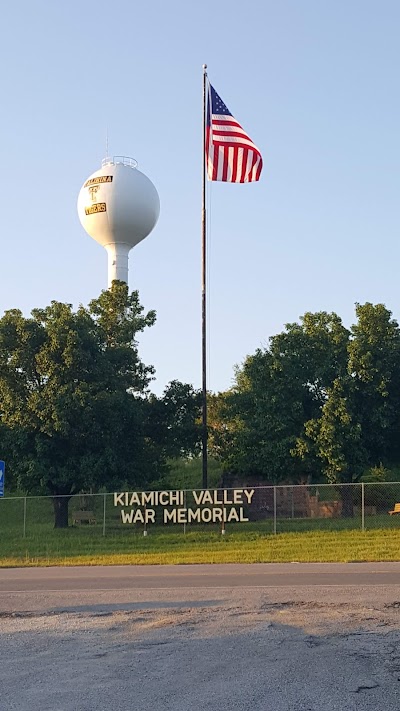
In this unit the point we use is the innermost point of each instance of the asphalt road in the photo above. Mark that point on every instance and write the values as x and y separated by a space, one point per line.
293 637
151 577
111 587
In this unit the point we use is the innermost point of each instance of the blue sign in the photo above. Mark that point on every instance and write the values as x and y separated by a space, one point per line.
2 472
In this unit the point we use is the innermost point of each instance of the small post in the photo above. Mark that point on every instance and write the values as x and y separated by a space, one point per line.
223 528
184 506
24 516
145 522
104 514
275 510
362 507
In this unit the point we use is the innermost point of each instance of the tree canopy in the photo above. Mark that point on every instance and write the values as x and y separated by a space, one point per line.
319 402
75 407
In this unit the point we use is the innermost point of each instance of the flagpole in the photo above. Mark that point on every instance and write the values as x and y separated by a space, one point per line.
204 437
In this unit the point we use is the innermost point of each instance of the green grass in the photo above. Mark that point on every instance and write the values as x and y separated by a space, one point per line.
86 547
301 539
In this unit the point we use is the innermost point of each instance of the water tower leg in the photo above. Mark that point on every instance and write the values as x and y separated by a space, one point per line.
118 262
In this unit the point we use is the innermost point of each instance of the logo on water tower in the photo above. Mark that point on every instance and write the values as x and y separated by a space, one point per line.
93 190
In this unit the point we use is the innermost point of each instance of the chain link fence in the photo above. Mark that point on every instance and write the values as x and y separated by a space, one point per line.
268 509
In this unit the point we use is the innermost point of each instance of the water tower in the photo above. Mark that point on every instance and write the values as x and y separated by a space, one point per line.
118 206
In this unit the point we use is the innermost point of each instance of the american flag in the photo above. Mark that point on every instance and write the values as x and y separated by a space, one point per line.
230 154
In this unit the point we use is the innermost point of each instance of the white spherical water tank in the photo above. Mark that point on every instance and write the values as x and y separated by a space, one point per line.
118 206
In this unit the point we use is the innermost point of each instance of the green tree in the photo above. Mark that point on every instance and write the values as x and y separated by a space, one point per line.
311 355
256 425
374 365
73 396
336 438
175 420
359 423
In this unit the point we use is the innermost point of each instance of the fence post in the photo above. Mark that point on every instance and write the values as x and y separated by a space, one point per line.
362 507
104 513
184 506
24 517
223 527
275 509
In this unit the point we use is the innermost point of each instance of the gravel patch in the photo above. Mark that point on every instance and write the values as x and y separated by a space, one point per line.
233 650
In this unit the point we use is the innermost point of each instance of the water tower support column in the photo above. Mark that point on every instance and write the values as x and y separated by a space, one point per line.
118 254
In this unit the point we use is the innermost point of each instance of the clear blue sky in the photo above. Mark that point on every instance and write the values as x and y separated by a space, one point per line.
314 83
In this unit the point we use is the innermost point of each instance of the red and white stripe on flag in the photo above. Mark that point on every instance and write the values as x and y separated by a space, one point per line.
231 155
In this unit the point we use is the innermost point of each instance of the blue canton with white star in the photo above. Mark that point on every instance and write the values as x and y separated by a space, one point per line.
217 105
